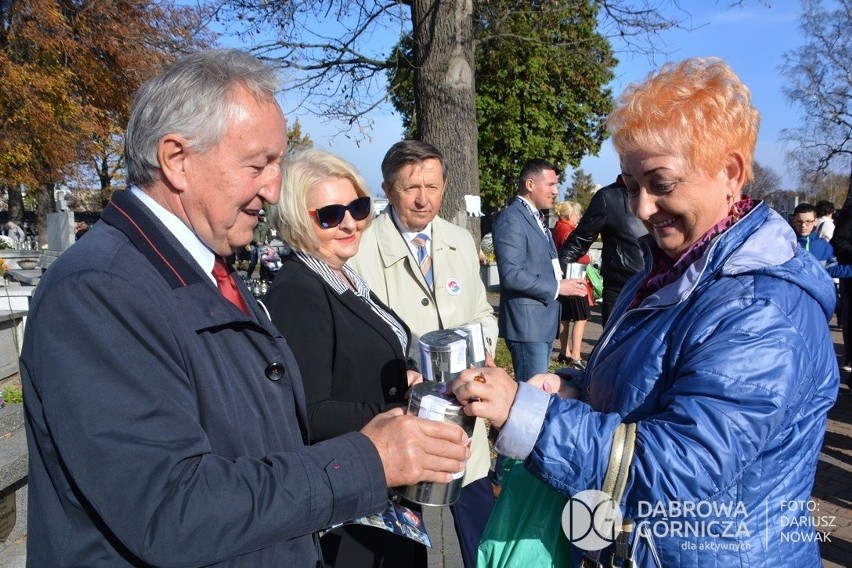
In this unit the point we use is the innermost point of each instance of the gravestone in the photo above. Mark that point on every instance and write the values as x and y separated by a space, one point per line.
60 236
60 230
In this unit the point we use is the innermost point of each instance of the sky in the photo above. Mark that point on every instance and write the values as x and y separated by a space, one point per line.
752 39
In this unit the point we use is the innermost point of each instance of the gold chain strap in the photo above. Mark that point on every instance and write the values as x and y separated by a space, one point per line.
615 481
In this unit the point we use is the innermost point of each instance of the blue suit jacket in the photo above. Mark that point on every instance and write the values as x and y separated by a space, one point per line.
166 427
528 309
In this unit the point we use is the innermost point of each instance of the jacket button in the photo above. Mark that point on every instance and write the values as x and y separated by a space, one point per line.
424 301
274 371
392 391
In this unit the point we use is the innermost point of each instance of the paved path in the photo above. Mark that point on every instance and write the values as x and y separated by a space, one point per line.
832 495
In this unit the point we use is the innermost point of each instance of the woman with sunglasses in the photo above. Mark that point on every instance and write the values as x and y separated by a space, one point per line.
350 347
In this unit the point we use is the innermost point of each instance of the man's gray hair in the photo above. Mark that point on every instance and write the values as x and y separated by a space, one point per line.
193 99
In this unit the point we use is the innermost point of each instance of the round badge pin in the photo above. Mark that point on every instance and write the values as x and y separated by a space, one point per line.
453 287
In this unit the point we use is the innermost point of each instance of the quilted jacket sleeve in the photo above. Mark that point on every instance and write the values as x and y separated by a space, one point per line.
731 380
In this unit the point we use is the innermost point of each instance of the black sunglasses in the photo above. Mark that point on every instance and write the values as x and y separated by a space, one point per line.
331 216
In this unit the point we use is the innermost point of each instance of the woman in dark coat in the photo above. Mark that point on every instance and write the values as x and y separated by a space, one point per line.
350 347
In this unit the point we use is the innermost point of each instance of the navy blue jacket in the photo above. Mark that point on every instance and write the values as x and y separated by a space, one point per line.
166 427
529 310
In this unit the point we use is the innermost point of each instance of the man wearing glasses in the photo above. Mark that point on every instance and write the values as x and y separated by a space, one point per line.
427 270
803 223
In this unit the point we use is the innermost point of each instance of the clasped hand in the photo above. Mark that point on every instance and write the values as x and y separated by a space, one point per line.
490 392
414 449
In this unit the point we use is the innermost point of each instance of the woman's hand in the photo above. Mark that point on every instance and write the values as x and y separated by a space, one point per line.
487 392
553 383
414 378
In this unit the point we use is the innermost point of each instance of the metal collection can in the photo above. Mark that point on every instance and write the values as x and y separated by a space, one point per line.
431 400
443 354
475 343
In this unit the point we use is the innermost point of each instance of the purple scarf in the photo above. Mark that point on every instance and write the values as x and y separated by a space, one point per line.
665 270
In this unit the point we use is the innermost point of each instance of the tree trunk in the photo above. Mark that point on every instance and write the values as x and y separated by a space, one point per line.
444 97
106 182
46 203
16 203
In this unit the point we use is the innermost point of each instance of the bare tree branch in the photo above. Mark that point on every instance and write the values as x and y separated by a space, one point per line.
819 83
336 54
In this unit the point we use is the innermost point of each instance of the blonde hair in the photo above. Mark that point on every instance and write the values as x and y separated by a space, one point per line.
302 172
564 209
699 107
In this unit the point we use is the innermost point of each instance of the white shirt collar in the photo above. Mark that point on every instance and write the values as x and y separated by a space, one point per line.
408 235
196 248
532 206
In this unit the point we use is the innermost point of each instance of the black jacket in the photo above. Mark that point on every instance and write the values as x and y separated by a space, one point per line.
841 242
353 359
608 216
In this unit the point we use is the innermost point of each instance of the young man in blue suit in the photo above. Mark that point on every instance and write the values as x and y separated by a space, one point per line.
530 275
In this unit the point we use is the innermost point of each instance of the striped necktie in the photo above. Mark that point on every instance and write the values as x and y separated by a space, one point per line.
421 241
541 221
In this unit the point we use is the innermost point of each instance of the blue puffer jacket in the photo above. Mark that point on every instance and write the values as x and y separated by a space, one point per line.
729 374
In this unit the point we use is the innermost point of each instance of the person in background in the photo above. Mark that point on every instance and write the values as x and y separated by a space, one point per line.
573 308
261 236
841 243
713 386
15 232
825 219
414 177
530 277
803 223
353 353
166 421
608 216
81 229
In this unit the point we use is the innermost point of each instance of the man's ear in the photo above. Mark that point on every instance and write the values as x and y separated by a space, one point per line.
172 153
387 189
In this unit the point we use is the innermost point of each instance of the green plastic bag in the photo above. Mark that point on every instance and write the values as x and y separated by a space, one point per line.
525 527
594 276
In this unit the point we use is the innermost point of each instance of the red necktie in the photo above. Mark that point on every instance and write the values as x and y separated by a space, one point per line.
226 284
